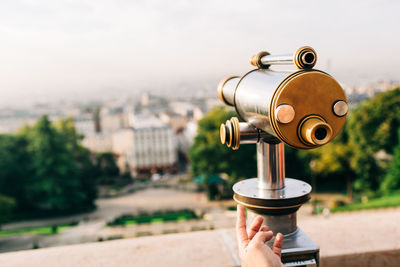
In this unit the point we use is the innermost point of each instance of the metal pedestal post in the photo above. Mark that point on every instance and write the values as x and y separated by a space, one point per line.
277 200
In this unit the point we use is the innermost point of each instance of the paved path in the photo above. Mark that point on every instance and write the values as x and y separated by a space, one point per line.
90 225
148 200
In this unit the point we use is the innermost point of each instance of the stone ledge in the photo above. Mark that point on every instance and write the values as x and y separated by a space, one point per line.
366 238
203 248
387 258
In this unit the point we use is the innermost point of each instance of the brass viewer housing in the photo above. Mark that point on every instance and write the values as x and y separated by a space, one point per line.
304 109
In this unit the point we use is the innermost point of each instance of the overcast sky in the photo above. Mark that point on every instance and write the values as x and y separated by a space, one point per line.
61 47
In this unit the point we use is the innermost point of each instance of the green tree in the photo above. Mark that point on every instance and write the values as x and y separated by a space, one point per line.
106 166
374 124
372 128
297 164
14 168
208 156
86 169
331 165
44 167
391 180
54 183
7 206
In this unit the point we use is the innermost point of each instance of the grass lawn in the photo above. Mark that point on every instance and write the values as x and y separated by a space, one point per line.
44 230
182 215
375 203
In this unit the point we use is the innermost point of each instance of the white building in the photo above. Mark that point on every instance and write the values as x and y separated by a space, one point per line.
85 125
187 109
111 119
177 121
98 142
148 147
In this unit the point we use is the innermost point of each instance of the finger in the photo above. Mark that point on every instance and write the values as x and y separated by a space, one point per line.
263 237
241 233
277 247
255 227
264 228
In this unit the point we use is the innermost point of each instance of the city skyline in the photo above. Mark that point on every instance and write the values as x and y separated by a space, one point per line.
76 49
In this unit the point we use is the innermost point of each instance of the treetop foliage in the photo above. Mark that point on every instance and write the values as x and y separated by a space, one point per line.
44 167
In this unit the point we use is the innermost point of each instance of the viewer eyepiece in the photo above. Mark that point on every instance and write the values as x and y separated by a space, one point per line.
320 133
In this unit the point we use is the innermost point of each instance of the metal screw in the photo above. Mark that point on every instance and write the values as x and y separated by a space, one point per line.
284 113
340 108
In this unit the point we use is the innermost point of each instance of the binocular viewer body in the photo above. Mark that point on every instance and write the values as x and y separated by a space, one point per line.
304 109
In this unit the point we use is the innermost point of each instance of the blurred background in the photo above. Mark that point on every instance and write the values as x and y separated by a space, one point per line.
109 115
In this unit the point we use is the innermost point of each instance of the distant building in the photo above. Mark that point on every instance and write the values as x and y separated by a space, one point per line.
187 109
111 119
148 100
98 142
85 124
177 121
186 137
148 147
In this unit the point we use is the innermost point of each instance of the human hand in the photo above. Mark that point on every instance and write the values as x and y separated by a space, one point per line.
252 248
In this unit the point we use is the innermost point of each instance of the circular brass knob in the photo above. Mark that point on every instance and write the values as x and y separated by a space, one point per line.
223 133
305 57
236 133
229 133
315 131
256 60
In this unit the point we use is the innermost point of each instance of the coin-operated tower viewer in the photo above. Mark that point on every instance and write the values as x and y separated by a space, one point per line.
303 109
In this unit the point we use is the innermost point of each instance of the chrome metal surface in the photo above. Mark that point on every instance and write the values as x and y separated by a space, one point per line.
340 108
253 97
298 249
302 263
270 165
226 89
293 189
284 224
284 113
248 133
304 58
277 59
